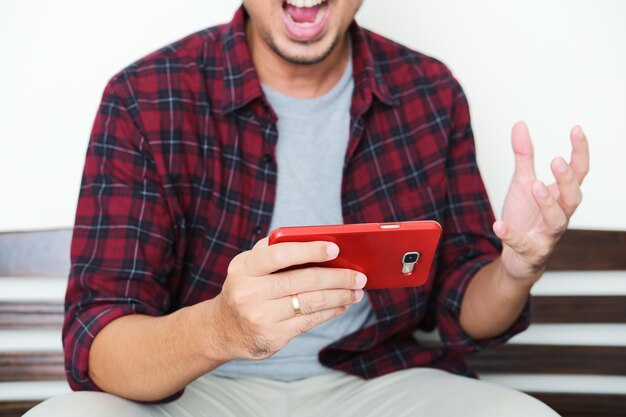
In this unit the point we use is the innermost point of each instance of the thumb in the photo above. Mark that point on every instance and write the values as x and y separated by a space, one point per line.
511 237
524 153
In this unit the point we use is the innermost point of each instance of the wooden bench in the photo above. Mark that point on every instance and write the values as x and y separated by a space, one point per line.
578 250
40 258
33 273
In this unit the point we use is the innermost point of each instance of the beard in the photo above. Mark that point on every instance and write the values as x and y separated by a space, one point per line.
300 60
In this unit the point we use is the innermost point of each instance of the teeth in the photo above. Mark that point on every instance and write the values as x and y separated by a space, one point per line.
305 3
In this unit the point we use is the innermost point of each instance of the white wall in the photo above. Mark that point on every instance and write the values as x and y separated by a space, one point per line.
552 63
56 57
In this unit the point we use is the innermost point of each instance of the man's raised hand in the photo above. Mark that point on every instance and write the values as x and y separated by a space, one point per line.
534 215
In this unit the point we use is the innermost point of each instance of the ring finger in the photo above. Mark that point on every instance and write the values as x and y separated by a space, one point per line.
569 188
313 301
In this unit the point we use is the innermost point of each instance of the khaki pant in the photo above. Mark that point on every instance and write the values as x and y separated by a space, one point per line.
413 392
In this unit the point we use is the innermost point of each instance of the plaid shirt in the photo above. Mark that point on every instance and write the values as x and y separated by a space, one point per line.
180 177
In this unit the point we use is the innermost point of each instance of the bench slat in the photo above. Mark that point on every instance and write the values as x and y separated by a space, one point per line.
34 315
551 359
579 309
16 408
585 405
31 366
589 250
546 309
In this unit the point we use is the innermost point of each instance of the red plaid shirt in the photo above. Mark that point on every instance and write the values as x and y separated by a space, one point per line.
180 177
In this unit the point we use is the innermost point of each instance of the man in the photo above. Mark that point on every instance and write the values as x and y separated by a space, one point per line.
292 114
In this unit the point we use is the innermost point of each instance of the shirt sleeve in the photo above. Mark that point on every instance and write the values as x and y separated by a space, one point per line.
122 246
468 242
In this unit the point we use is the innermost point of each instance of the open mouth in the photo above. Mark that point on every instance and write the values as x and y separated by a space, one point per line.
305 13
305 19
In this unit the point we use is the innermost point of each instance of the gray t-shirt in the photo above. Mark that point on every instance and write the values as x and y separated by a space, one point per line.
312 141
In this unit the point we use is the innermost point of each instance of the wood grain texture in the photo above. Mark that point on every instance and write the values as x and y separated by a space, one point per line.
590 250
38 253
546 359
31 366
34 315
16 408
585 405
579 309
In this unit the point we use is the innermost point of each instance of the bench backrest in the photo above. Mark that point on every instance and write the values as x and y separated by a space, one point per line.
38 263
596 321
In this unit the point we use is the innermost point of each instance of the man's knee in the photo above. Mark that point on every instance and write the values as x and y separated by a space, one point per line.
88 404
444 394
490 400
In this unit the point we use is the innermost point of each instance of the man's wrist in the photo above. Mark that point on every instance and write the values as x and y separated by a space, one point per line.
512 287
205 336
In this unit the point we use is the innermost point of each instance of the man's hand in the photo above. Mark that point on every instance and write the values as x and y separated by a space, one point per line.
535 215
149 358
255 310
533 219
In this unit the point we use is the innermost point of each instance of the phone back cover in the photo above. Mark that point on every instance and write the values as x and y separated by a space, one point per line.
376 249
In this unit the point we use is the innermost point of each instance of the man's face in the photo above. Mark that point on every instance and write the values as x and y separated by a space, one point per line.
301 31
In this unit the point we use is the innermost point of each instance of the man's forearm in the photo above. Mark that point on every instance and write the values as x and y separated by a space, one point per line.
492 302
150 358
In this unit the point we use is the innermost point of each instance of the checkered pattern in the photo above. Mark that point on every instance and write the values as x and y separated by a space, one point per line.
180 177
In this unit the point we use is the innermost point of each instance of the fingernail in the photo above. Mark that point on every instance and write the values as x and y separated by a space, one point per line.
561 166
361 279
542 190
580 132
332 251
358 295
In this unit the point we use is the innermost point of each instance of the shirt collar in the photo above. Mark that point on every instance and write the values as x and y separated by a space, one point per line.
241 84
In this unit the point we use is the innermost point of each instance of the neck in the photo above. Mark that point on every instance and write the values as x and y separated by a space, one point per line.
297 80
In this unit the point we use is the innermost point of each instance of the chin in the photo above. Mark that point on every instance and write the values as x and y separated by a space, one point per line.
306 54
302 31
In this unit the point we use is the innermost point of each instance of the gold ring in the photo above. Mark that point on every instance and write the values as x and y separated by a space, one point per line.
296 305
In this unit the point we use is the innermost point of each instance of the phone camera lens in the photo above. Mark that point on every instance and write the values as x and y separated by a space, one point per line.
408 262
410 258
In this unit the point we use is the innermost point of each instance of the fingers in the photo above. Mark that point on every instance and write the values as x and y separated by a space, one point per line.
315 301
511 237
524 154
534 252
264 260
570 194
553 215
554 219
313 279
580 154
301 324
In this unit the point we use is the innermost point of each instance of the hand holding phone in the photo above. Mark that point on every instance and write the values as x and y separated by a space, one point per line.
255 314
391 255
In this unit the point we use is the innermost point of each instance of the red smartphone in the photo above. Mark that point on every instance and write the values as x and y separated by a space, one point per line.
391 255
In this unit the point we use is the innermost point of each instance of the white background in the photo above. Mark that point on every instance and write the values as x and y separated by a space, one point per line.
552 63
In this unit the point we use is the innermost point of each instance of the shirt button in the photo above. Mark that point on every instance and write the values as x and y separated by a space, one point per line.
258 230
268 159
